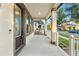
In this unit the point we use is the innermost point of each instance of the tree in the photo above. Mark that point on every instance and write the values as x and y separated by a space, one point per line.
73 12
60 16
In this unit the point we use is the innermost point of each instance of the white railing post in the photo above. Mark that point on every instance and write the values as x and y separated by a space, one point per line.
71 45
76 50
77 47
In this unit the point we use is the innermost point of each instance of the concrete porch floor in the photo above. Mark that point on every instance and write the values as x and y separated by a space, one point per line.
40 46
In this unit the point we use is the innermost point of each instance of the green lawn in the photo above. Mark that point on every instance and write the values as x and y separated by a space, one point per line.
76 46
63 43
63 34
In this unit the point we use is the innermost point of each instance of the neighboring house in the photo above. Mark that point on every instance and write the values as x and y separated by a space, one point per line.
69 26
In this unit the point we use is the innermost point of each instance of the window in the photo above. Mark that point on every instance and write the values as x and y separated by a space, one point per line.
17 21
28 23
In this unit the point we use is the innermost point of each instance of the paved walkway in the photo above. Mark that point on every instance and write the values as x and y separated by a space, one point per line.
40 46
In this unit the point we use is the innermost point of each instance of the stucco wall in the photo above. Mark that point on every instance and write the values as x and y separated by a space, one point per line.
6 23
29 38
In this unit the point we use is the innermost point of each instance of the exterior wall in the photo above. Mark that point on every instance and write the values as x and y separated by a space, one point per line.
77 27
29 38
6 23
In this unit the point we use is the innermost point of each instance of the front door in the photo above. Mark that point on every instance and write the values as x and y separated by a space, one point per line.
19 41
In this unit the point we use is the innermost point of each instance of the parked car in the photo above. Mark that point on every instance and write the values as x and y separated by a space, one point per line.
74 31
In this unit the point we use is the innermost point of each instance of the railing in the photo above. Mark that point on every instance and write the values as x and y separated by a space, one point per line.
63 41
74 45
70 45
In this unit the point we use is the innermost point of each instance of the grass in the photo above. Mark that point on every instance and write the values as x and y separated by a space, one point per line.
63 43
76 46
63 34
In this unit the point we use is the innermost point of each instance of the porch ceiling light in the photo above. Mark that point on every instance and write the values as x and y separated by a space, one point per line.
39 13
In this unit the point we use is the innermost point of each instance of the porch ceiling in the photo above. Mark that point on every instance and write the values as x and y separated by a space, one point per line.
40 10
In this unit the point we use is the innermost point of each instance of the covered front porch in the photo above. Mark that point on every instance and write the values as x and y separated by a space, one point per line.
23 28
44 43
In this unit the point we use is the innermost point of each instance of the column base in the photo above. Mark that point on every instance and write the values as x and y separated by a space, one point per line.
53 43
45 34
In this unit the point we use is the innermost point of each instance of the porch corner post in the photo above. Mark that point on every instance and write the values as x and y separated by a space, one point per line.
54 34
57 40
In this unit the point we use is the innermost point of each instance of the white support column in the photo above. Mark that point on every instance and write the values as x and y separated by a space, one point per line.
57 39
54 21
45 26
34 26
54 34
